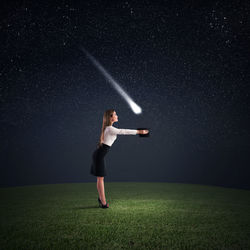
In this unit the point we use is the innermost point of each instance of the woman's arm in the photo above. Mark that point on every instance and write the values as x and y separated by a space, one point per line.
122 131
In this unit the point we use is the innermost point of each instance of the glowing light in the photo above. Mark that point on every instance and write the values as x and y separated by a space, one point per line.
135 108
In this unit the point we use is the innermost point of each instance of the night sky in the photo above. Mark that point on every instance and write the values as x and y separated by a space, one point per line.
185 64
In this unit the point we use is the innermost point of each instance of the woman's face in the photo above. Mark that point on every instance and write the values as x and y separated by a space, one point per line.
114 117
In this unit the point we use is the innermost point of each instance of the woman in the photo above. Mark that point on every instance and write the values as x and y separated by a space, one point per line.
107 138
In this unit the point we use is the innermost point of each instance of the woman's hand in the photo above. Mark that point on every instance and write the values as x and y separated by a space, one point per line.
143 131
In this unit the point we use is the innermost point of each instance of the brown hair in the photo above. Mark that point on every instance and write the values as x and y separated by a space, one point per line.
105 122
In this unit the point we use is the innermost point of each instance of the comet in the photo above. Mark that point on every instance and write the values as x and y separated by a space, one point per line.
135 108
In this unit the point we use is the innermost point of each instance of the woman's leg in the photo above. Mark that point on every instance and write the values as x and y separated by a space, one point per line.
100 188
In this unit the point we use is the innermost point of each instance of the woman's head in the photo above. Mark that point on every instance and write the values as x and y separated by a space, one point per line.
109 117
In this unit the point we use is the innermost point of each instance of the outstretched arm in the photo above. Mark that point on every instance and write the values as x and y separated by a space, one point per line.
122 131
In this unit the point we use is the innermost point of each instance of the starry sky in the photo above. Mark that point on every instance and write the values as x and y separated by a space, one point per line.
186 64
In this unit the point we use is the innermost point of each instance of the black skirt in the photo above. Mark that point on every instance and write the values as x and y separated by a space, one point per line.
98 163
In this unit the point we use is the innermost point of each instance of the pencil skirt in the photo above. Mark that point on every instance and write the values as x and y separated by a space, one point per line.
98 162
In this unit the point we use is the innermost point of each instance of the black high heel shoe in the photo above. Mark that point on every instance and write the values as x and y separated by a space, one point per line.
101 205
99 201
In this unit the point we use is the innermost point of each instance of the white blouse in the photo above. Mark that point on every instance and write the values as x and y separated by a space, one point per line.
110 134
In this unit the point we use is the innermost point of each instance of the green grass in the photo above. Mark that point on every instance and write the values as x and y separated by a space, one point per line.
141 216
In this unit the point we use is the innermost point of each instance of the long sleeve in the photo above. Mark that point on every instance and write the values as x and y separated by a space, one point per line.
122 131
110 134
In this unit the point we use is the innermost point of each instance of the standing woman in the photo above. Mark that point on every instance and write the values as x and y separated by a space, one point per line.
107 138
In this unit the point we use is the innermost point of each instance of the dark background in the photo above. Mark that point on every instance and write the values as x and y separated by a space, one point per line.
185 63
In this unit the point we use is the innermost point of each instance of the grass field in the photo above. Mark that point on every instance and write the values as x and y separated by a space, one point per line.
141 216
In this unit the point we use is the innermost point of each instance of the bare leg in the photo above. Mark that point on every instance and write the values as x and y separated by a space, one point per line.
100 188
